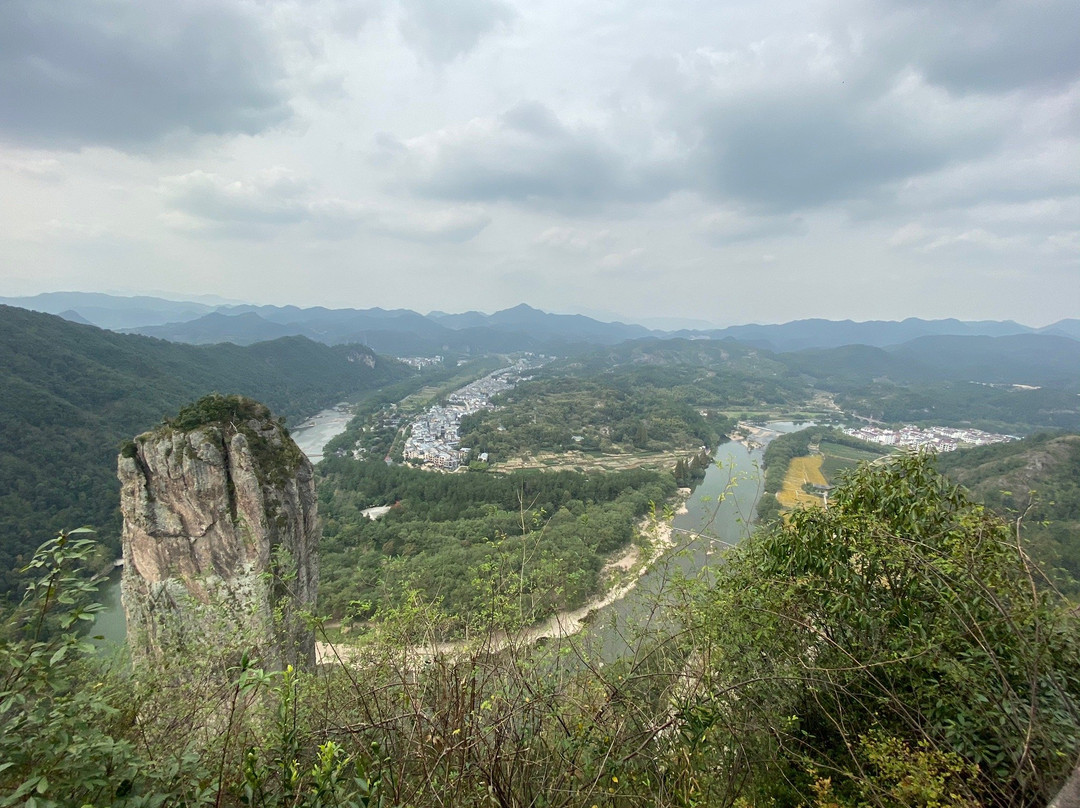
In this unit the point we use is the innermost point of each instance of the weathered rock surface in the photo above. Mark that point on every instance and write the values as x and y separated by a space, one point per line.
220 536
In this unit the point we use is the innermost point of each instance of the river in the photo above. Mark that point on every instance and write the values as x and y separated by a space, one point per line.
314 433
110 622
718 513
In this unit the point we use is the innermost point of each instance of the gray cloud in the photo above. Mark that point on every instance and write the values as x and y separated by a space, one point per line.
800 121
526 155
985 46
555 147
277 199
443 30
128 74
791 151
789 123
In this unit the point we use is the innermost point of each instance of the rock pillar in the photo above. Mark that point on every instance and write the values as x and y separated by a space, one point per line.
220 537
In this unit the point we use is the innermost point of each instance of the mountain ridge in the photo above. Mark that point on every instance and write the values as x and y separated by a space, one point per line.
521 327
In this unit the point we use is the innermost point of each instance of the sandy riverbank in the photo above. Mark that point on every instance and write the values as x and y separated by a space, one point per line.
631 564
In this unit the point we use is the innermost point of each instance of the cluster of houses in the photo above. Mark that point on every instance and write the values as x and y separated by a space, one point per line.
937 438
421 362
434 439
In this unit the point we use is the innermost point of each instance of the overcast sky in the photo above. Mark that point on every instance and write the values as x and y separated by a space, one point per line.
725 161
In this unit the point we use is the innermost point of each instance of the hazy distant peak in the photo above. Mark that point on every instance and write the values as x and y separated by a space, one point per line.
73 316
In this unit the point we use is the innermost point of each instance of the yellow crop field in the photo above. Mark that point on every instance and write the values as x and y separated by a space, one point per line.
801 470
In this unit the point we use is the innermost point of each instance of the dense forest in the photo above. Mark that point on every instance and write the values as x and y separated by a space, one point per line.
645 395
450 538
71 393
1017 387
630 412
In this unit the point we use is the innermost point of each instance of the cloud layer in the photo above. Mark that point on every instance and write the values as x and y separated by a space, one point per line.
485 152
129 74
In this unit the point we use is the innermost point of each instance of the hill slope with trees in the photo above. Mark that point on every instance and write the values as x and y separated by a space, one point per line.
889 651
70 393
1036 480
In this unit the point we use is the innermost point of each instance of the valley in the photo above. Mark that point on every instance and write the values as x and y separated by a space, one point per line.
584 513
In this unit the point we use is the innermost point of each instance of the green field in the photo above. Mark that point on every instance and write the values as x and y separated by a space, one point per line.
839 458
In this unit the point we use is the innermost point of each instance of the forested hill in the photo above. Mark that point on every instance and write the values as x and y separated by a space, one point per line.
1037 478
70 393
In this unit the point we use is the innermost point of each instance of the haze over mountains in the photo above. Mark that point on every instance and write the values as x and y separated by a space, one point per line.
403 332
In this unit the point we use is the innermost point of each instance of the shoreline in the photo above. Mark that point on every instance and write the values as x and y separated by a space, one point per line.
560 625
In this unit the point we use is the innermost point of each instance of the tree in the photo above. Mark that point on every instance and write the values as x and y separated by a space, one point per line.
896 648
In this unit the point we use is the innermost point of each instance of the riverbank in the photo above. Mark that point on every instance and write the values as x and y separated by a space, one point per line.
622 574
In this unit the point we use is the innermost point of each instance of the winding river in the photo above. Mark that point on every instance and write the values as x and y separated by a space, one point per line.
717 513
314 433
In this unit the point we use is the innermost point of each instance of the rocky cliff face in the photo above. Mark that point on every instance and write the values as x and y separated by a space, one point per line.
220 536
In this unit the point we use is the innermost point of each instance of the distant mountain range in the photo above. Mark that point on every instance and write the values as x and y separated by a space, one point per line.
404 332
1039 360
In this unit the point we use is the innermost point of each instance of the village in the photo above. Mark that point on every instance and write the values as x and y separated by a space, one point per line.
936 438
434 440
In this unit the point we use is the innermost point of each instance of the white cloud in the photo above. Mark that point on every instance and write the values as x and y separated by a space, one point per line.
278 199
47 169
619 259
444 225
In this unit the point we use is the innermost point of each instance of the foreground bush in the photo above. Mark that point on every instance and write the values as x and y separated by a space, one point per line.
895 648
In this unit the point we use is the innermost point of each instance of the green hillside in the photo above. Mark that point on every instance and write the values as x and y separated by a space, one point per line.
70 393
1039 479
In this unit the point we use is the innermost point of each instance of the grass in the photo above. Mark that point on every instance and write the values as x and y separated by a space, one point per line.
834 466
839 459
849 452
